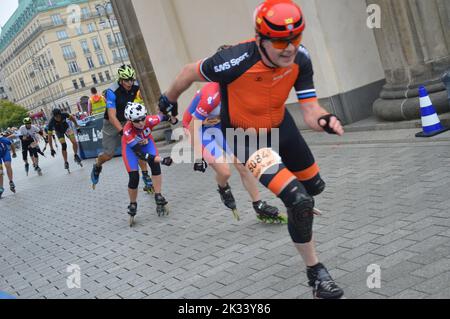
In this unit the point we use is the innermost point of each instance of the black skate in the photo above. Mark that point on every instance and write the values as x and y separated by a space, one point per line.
148 184
132 210
161 205
12 186
77 160
95 175
66 166
38 170
1 192
27 168
323 285
268 214
228 199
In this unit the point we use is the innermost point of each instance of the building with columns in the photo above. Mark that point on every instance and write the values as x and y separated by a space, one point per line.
360 70
53 51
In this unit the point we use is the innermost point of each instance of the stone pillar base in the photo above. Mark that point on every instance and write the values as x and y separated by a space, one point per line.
393 108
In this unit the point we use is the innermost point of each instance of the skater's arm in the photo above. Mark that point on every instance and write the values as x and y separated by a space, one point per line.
74 121
183 81
13 149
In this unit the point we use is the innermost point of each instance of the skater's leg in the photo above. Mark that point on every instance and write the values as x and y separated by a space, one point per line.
143 166
74 143
249 181
133 184
1 174
9 171
157 183
223 173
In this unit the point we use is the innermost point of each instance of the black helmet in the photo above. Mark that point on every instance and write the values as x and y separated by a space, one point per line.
56 112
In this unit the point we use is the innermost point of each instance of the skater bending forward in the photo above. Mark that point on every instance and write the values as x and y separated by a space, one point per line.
138 144
253 94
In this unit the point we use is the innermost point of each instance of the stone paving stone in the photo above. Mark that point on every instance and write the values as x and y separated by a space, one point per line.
383 204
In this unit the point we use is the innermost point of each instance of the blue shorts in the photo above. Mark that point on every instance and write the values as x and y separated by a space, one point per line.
5 157
213 143
131 160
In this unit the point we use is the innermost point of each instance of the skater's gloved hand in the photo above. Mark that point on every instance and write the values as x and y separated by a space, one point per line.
53 153
14 155
166 106
167 161
201 166
173 120
78 130
121 132
331 124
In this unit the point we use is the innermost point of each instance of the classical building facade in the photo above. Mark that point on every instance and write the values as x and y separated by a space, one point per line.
369 56
53 51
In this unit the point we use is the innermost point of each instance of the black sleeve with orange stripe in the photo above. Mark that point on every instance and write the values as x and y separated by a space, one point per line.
304 86
229 64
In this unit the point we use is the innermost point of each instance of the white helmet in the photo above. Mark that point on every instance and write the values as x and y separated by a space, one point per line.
135 111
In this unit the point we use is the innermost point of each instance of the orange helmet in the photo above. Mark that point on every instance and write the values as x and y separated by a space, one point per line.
279 19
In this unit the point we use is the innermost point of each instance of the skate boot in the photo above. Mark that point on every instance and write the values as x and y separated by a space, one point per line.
228 199
12 187
27 168
66 166
95 175
268 214
77 160
323 285
161 205
1 192
38 170
132 210
148 183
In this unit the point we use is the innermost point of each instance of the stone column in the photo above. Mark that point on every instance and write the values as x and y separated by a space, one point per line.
137 50
414 46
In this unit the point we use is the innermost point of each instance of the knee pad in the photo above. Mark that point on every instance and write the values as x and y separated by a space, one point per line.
314 186
133 182
64 146
300 212
155 168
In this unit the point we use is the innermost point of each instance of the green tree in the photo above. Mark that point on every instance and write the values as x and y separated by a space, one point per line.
11 114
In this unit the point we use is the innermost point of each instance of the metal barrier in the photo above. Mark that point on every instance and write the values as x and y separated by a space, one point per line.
90 138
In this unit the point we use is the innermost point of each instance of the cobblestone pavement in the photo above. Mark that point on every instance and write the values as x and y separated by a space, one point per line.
385 204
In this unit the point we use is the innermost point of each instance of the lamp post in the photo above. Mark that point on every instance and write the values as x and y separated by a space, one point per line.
38 67
104 7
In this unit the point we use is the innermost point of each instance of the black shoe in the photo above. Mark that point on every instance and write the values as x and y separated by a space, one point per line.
323 285
132 209
227 196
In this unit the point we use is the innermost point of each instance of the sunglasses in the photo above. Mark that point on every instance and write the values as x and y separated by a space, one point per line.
129 80
283 43
139 120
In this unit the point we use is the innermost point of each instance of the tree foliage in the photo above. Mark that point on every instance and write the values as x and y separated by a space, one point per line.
11 114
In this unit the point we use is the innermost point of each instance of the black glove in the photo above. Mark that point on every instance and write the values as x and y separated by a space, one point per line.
121 132
327 127
165 106
174 121
201 166
14 155
53 153
78 130
167 161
